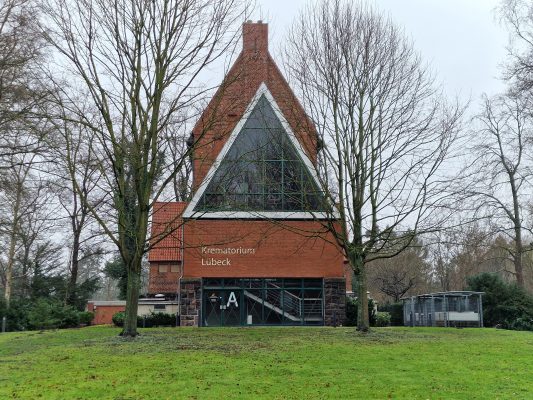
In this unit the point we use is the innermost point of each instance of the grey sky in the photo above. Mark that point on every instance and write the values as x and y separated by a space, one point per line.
461 39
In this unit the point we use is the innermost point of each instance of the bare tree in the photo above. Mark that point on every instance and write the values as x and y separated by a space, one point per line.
21 90
178 149
456 254
399 275
36 249
22 196
441 253
385 129
73 162
138 63
518 17
502 172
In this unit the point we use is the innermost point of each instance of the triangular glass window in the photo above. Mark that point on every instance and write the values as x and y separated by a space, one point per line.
262 171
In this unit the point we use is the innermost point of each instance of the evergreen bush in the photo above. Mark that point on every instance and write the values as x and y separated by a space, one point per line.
86 317
161 319
16 315
505 305
352 305
49 314
147 321
118 319
40 314
396 312
383 318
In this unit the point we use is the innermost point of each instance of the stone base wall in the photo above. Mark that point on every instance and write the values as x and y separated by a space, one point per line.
191 302
334 301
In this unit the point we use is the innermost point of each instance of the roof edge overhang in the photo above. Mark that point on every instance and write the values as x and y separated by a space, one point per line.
451 293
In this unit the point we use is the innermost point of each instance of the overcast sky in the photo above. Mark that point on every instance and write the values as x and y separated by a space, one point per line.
461 39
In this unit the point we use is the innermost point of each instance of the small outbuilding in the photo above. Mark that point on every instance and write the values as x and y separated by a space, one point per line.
104 310
446 309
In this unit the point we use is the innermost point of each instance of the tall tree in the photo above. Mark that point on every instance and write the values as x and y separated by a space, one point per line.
22 200
74 162
21 90
35 246
517 15
178 148
457 254
138 63
407 271
385 129
502 171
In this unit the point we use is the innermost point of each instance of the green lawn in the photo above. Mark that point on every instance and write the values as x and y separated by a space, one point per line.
281 363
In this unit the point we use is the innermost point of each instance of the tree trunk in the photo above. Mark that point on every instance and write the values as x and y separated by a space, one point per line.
358 266
363 323
26 266
12 245
71 286
519 273
132 254
10 262
518 234
132 298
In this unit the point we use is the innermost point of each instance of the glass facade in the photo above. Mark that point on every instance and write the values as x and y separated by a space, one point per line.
255 301
262 171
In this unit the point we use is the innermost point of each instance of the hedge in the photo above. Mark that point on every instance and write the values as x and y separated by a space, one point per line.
147 321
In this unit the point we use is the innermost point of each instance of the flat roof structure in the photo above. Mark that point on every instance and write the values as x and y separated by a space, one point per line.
458 308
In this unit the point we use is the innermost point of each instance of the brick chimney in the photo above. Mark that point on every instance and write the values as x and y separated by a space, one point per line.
255 37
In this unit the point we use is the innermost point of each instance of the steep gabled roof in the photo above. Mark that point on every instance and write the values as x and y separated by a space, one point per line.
254 74
191 210
253 68
167 219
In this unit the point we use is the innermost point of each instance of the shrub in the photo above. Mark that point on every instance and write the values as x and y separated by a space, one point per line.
68 316
161 319
40 316
521 324
16 315
396 312
506 305
118 319
351 312
352 305
147 321
86 317
41 313
50 314
383 318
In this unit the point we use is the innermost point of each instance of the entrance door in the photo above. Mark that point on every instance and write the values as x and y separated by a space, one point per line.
222 307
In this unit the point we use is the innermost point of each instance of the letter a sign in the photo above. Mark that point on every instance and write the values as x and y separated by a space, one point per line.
232 299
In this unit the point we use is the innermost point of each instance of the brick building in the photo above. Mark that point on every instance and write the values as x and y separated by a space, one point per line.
253 246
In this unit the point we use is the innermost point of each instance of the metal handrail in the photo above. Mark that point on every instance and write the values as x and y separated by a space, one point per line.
290 303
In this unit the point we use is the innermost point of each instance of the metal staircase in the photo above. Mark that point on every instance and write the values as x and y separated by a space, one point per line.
271 306
287 304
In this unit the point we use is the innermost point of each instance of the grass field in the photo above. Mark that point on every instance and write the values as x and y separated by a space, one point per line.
282 363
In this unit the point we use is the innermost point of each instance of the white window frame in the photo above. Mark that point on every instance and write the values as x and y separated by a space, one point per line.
189 211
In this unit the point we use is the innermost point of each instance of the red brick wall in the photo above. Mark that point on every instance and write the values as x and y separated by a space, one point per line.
104 314
280 250
254 37
163 282
284 249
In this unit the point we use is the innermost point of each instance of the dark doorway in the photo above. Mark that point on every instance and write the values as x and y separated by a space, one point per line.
238 302
222 307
